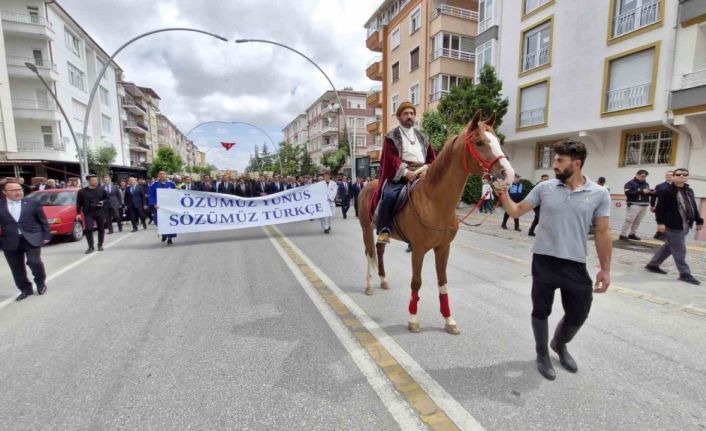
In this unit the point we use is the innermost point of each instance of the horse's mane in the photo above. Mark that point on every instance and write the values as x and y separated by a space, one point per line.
439 167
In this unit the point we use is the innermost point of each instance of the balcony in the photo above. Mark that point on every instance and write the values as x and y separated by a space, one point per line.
628 98
137 127
452 19
330 129
373 69
374 124
437 95
33 109
692 93
374 99
41 146
133 106
374 41
329 148
637 18
16 67
331 108
693 79
535 59
25 25
455 12
453 54
533 117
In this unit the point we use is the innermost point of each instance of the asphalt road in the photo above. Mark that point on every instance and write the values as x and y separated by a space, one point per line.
220 332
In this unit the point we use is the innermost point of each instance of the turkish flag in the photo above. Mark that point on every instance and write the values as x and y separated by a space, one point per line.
228 145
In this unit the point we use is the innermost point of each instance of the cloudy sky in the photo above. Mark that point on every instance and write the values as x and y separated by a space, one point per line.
200 78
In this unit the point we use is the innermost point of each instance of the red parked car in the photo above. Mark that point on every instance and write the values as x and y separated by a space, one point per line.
59 207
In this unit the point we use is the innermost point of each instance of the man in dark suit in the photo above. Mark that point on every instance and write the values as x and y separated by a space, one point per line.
91 201
261 187
227 186
206 185
24 231
112 209
276 186
345 192
356 189
242 189
136 203
188 185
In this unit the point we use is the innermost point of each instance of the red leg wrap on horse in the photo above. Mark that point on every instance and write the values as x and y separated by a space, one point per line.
413 303
444 303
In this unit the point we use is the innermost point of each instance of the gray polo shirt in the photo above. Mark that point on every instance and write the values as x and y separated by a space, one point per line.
566 216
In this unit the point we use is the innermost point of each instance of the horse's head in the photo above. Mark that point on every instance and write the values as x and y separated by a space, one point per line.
483 146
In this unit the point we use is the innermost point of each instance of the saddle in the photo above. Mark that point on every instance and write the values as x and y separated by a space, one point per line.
400 202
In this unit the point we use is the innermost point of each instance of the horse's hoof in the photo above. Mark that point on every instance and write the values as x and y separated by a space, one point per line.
369 291
452 329
413 327
385 285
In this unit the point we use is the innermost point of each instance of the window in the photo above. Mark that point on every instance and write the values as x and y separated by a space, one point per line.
76 77
378 141
356 103
105 96
452 46
106 124
651 147
414 94
485 15
632 15
396 71
357 122
72 42
545 155
533 104
395 103
532 5
395 38
33 13
38 57
484 55
415 20
441 85
99 66
47 136
360 141
79 109
536 46
630 80
414 59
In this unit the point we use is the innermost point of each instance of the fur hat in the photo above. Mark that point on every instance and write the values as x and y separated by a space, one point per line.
403 106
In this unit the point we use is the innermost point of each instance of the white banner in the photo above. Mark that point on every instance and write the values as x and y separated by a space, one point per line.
183 211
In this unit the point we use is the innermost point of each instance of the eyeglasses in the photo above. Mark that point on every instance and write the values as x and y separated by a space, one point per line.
681 174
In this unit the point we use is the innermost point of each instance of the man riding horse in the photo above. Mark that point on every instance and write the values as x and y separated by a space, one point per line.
405 150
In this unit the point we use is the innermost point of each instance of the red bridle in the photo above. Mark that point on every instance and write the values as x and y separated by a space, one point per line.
484 164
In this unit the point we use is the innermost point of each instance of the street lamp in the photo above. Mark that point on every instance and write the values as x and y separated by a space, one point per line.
351 144
84 172
246 124
110 60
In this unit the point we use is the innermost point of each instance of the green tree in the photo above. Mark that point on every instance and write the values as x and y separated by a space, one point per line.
306 164
435 126
100 160
167 160
289 156
266 158
334 162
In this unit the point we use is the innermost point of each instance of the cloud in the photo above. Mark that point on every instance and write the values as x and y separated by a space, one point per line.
200 78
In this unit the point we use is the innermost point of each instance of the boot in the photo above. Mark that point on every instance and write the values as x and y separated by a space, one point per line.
563 335
541 337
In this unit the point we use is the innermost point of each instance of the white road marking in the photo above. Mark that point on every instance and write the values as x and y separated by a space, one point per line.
66 269
398 408
443 399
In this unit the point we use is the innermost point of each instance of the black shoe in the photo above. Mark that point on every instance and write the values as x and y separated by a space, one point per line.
344 217
169 242
518 229
110 232
144 226
503 226
531 234
120 229
164 238
623 238
635 237
563 335
23 295
655 269
659 236
100 247
90 250
42 289
134 229
327 230
688 278
409 248
541 337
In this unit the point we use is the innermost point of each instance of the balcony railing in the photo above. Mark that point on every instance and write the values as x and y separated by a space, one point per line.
41 105
374 119
329 128
453 54
454 11
130 101
41 146
694 79
437 95
376 59
626 98
485 24
140 124
26 19
533 117
41 63
139 143
637 18
535 59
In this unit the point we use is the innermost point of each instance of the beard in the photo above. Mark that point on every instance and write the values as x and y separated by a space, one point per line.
564 175
408 123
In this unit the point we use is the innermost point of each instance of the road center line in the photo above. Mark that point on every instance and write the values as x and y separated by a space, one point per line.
436 407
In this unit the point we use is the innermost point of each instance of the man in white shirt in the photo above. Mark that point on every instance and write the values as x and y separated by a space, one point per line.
331 192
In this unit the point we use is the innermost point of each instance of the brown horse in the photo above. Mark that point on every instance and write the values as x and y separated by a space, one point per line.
429 220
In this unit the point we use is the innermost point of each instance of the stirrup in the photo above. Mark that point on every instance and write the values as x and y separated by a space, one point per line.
384 238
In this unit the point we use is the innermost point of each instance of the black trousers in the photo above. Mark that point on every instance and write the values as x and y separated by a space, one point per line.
550 273
136 214
355 205
386 212
16 261
97 218
112 215
506 217
345 206
535 222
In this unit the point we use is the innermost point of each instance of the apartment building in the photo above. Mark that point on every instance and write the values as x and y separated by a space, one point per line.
327 126
136 130
426 47
34 137
297 132
169 136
